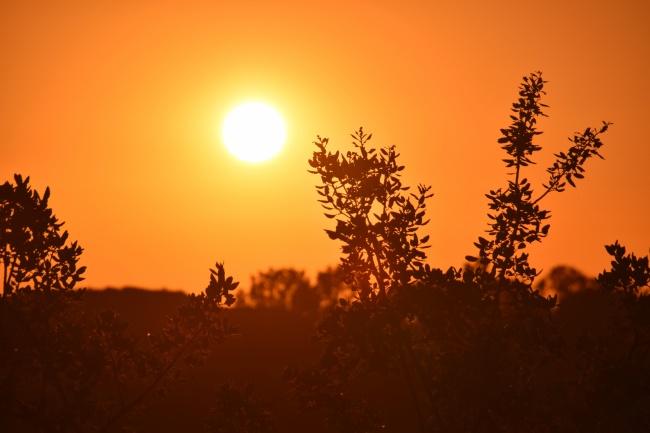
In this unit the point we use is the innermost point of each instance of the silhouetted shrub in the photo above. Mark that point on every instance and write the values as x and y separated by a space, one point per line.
63 369
473 344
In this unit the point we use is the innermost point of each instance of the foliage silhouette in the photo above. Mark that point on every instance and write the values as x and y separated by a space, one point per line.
276 288
34 251
473 344
65 370
290 289
563 281
481 348
621 360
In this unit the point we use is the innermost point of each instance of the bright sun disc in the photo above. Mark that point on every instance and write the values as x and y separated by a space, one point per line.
254 132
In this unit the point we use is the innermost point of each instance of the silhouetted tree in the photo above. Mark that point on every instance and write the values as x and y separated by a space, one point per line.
565 280
290 289
65 370
276 288
472 344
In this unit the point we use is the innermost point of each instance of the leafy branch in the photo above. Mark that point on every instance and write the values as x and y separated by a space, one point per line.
376 221
516 218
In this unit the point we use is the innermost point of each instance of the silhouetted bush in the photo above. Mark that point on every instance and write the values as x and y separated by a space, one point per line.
63 369
474 345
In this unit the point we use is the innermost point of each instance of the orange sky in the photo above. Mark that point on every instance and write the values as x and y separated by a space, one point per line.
118 105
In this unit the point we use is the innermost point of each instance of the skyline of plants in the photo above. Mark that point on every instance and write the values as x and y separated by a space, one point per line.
478 346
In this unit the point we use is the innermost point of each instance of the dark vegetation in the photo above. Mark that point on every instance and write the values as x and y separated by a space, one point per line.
399 345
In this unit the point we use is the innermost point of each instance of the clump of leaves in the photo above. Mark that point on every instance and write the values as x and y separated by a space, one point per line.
33 249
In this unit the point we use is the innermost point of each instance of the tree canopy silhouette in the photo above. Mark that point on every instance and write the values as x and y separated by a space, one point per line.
291 290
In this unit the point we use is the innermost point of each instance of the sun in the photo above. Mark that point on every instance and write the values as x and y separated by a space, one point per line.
254 132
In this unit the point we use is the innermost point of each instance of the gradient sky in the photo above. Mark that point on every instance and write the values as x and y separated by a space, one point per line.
118 106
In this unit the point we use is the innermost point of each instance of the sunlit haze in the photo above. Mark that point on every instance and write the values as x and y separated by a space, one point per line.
118 108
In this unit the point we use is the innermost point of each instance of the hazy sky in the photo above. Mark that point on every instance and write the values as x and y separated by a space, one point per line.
118 106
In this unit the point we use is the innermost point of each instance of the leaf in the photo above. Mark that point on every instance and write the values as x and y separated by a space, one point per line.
568 179
471 258
611 249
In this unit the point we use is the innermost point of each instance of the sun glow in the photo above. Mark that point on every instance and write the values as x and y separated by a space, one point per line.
254 132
